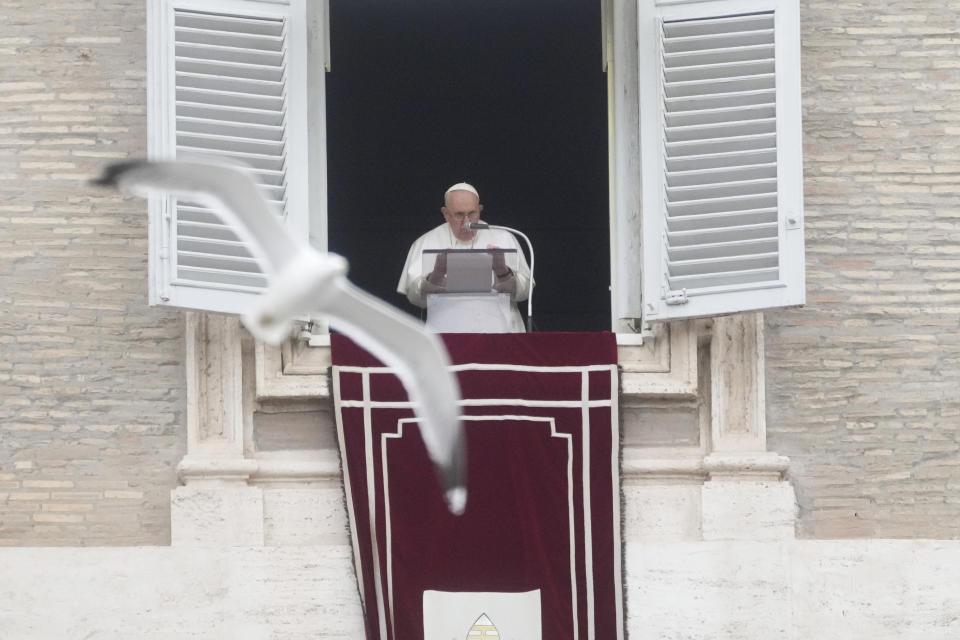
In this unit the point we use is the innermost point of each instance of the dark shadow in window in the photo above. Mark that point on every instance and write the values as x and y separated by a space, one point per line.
507 95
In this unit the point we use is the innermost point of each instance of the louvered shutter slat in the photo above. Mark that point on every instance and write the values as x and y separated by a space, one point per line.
695 267
207 245
218 278
693 162
249 25
241 85
716 25
199 142
728 204
722 219
707 251
678 44
719 55
722 234
717 191
710 86
267 70
229 99
727 280
723 174
715 131
266 177
226 37
720 116
204 51
711 146
230 129
721 71
719 100
220 260
274 196
230 113
255 160
204 230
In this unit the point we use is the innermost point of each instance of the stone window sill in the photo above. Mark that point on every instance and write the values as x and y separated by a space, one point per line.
661 366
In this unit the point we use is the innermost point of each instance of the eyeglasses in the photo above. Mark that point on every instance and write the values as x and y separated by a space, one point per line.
460 216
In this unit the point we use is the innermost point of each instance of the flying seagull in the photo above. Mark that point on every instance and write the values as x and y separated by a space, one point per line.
304 281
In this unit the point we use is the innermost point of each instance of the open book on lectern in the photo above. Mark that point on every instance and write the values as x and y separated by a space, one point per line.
468 270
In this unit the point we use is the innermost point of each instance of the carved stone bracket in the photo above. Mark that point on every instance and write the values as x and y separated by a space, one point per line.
729 487
738 428
215 425
295 370
217 507
745 496
738 384
664 365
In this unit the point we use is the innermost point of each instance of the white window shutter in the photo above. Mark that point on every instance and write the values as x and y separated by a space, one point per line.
721 153
226 79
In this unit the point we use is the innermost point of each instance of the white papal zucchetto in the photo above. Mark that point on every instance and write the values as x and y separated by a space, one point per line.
463 186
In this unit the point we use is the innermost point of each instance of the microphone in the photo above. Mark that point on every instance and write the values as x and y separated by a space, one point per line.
476 226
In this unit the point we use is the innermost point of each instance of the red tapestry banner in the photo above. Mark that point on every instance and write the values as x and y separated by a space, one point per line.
537 551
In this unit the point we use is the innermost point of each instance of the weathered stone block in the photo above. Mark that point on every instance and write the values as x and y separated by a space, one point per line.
216 516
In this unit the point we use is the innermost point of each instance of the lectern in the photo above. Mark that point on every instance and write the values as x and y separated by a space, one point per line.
466 301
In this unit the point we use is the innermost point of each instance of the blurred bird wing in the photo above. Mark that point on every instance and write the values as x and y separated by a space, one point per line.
308 281
230 192
416 356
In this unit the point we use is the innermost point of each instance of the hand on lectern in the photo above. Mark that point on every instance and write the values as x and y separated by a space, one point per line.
500 268
504 282
439 273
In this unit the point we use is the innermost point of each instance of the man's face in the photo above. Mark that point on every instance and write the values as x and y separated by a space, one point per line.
461 207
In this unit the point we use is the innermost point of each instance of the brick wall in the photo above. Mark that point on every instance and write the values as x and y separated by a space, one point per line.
864 383
92 397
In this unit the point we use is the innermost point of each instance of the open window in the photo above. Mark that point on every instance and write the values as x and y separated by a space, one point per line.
715 82
500 94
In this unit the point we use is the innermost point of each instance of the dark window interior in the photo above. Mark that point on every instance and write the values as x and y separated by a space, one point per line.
509 96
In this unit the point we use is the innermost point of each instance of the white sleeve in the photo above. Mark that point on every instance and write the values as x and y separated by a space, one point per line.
411 279
522 273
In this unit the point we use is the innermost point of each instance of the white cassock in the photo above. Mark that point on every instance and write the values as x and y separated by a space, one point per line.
412 278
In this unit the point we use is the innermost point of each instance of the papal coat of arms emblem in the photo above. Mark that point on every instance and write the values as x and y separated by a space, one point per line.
483 629
447 615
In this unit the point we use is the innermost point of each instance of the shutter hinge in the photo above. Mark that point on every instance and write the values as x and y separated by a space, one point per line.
676 297
164 251
167 217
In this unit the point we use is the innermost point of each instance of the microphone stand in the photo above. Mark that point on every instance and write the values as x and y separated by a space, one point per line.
483 225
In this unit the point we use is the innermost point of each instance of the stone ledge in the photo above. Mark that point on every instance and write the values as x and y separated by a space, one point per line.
661 469
161 593
194 469
300 466
750 466
662 366
793 589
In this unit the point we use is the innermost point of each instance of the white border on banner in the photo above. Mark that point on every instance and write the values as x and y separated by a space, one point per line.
368 405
